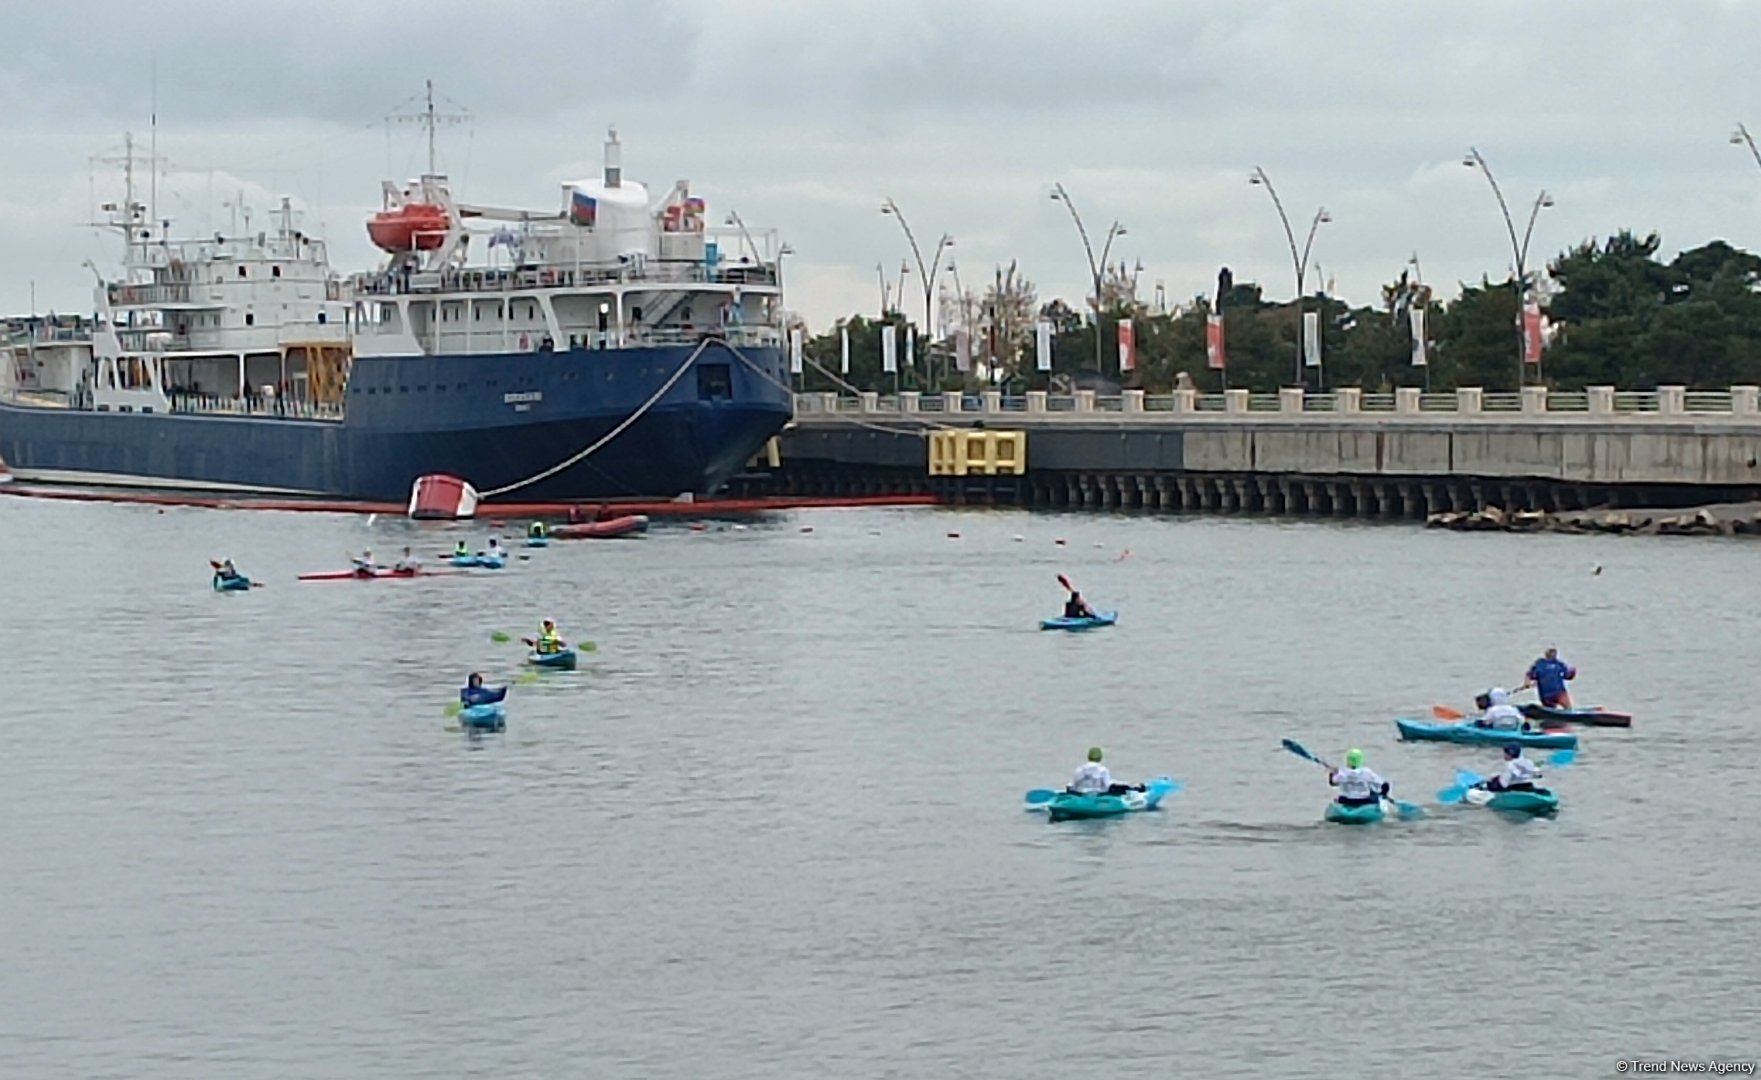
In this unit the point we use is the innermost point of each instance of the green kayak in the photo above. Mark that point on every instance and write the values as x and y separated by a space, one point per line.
1367 814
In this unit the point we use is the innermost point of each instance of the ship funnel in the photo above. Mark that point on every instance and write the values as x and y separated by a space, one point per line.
614 159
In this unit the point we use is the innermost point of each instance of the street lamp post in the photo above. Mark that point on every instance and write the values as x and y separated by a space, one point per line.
1518 250
1095 267
1300 262
927 274
1741 137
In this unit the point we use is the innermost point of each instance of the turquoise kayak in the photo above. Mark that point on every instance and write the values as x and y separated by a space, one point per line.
483 562
1420 731
490 716
1070 807
1367 814
239 583
564 660
537 541
1100 618
1542 802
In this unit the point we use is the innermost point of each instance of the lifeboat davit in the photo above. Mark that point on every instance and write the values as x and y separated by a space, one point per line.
413 227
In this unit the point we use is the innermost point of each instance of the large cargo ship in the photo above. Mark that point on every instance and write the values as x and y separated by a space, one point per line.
611 347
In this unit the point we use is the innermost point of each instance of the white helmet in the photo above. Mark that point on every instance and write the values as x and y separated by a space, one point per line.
1499 696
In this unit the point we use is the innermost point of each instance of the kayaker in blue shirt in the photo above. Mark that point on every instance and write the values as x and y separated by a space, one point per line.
1357 785
1549 675
1093 778
1077 608
1519 772
475 693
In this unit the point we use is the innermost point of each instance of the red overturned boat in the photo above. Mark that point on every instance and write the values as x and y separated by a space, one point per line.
627 525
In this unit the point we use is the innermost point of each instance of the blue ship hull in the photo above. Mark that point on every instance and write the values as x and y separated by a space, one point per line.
494 419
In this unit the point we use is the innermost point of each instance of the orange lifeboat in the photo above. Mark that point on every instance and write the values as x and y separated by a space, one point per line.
413 227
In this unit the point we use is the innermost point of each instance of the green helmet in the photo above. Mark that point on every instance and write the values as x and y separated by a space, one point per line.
1094 753
1354 758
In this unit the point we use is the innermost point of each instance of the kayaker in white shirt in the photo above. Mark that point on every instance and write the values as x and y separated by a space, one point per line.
1519 772
1093 778
1358 786
1499 713
496 551
409 564
364 566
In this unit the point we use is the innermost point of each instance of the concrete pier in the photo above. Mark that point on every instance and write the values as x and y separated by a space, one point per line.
1348 454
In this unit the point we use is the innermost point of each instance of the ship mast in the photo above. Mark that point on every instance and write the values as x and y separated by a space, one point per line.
430 119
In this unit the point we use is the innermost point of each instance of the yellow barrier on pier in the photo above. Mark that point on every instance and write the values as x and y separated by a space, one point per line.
977 453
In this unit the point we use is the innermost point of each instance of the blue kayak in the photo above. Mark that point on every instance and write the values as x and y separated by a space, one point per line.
1367 814
238 583
1100 618
564 660
490 716
483 695
1068 807
483 562
537 541
1420 731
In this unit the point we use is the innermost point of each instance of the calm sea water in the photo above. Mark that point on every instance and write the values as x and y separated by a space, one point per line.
774 828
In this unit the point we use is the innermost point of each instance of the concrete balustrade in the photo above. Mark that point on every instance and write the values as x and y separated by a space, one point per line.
1235 402
909 401
1406 400
1534 400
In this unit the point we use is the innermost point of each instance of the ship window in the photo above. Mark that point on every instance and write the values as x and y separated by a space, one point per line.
636 314
275 271
250 319
241 271
714 382
322 318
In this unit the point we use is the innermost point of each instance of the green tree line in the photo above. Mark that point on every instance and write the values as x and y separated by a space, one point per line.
1616 315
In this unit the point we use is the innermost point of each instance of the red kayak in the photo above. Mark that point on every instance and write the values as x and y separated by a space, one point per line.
350 575
618 526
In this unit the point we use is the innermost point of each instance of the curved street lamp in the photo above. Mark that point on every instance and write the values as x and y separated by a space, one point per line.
1096 267
1741 137
1518 250
1299 262
927 274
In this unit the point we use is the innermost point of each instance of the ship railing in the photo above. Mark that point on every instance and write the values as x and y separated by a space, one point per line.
123 295
254 406
746 337
657 271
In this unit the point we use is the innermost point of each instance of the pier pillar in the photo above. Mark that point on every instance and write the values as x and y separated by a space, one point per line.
1161 483
1247 496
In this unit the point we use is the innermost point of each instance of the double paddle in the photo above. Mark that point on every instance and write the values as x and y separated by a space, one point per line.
1407 811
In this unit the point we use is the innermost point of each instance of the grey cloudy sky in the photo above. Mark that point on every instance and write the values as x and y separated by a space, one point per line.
804 115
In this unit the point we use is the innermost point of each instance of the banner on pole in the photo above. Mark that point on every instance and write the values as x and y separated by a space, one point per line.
1311 339
1127 346
843 350
910 349
962 350
795 350
1214 355
1417 318
889 349
1532 334
1042 345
